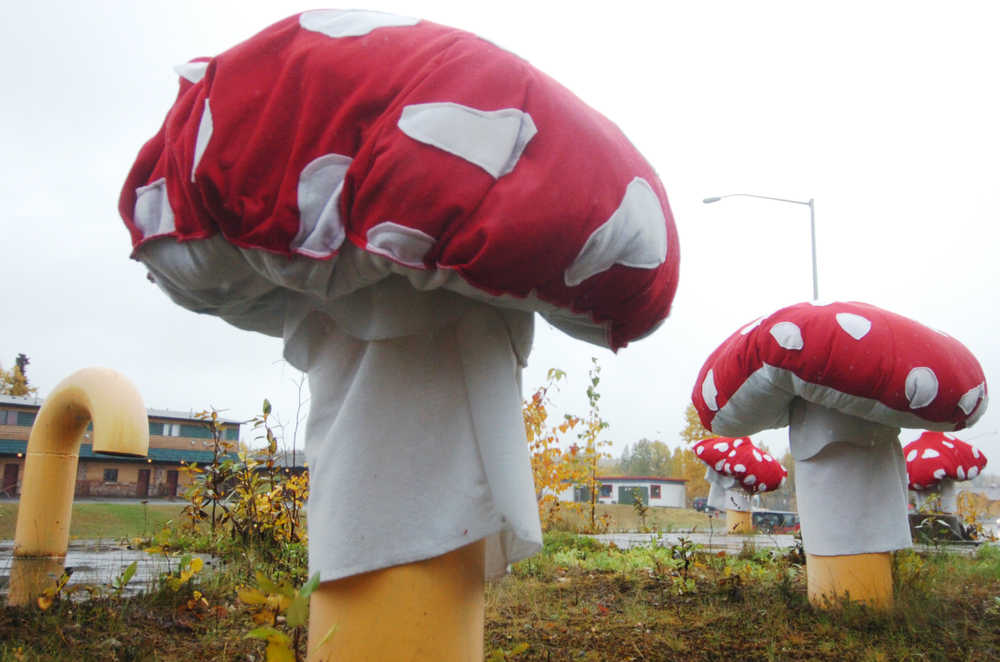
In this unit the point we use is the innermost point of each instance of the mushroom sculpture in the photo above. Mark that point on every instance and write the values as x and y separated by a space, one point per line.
935 461
395 198
844 377
737 470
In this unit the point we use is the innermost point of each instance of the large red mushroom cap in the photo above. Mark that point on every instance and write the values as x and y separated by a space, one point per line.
429 149
754 470
936 456
846 356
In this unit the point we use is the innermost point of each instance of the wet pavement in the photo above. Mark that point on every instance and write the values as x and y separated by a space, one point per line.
98 563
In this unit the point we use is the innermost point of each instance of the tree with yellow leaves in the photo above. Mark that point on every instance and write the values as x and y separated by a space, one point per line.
15 381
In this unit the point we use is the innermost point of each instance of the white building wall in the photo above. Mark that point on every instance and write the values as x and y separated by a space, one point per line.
672 495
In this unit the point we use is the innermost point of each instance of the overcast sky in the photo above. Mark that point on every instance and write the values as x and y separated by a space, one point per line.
885 113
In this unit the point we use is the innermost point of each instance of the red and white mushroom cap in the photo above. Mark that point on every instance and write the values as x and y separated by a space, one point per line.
847 356
754 470
427 148
935 456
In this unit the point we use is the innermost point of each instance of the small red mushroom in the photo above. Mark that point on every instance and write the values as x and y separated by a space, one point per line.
936 460
737 470
844 377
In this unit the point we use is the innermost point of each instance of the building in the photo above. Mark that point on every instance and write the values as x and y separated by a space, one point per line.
175 438
655 491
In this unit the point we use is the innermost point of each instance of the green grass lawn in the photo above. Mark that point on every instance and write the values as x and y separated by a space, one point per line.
103 520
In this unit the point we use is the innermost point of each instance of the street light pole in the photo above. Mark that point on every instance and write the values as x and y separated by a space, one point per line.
812 225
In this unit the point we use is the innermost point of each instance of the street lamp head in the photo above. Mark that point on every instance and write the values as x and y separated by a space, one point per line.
711 200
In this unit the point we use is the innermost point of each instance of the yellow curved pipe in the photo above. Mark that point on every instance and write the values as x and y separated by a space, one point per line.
428 611
121 427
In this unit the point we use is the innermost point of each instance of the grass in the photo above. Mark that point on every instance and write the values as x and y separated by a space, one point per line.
107 520
624 518
582 601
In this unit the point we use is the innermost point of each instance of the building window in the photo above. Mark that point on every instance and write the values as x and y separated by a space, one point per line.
196 431
8 417
232 434
110 475
654 491
605 490
26 418
156 428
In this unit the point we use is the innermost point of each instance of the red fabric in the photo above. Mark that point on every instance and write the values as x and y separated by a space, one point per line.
874 367
755 470
289 95
943 454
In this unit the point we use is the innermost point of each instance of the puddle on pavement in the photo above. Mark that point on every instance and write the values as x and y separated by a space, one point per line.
98 563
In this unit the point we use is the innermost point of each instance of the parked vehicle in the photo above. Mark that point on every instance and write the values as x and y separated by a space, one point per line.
776 521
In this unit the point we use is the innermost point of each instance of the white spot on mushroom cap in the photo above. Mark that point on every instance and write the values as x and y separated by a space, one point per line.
756 455
970 400
699 450
855 326
321 230
921 387
947 444
768 458
719 465
401 243
959 471
338 24
721 446
762 487
788 335
635 235
973 471
709 392
739 468
912 455
750 479
751 326
737 443
205 128
975 452
490 139
152 213
930 453
939 473
192 71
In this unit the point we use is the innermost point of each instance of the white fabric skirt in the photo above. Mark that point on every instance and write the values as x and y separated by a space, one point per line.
415 440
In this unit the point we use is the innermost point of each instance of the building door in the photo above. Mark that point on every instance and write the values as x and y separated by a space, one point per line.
627 495
9 487
142 485
172 483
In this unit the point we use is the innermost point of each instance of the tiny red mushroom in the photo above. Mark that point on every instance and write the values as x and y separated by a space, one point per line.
844 377
935 461
736 471
395 199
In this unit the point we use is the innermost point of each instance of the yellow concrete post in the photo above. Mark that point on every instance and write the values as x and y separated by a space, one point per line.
738 521
41 537
428 611
862 578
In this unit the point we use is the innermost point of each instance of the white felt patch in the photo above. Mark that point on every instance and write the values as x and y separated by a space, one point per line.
756 456
788 335
490 139
939 473
970 400
321 230
929 454
721 446
973 471
403 244
709 392
959 471
192 71
739 468
356 23
855 326
921 387
750 479
912 455
634 236
153 214
205 127
751 326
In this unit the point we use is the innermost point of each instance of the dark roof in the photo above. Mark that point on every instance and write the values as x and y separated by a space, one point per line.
172 455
